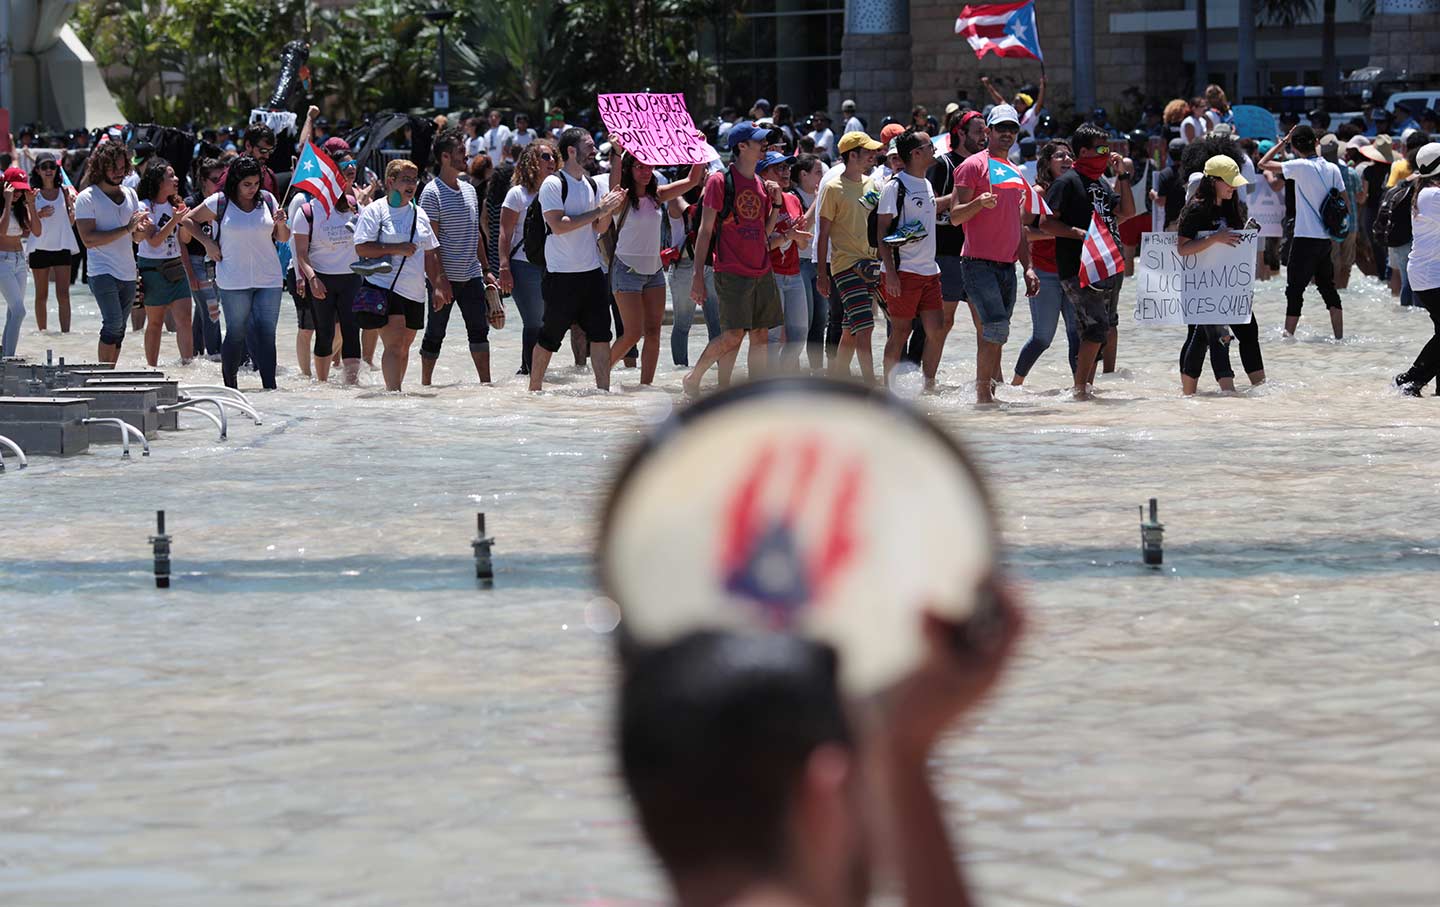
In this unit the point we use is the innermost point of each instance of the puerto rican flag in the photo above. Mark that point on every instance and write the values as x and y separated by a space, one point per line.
316 174
1006 28
1099 255
1004 175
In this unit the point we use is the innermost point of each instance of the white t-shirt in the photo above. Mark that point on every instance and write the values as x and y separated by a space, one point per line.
247 245
518 199
522 137
1029 119
1314 178
170 248
574 252
332 245
916 257
1193 128
378 222
474 146
117 257
853 124
638 244
496 138
1424 267
824 142
55 233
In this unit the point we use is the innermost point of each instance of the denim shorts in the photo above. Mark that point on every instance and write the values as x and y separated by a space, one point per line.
625 279
952 277
991 285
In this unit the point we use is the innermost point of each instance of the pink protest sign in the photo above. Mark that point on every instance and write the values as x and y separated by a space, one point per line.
656 128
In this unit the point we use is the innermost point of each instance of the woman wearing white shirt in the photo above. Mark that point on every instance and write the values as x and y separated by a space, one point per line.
1195 125
15 220
159 262
805 176
517 275
52 219
249 223
395 227
324 251
1423 268
636 277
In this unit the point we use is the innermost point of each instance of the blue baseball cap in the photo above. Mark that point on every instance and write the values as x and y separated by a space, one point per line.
773 159
746 132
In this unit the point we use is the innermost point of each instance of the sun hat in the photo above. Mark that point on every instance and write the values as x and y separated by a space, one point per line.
1427 160
1002 113
1222 166
951 107
852 140
1381 151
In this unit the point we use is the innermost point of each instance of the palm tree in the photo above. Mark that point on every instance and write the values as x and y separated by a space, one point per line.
516 50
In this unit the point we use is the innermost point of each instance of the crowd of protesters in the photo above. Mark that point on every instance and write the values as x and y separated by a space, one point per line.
779 251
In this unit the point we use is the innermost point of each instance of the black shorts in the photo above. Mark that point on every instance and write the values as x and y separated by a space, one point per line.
57 258
574 298
414 313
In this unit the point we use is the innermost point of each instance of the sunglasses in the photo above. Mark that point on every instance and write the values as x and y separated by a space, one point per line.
547 157
350 165
1103 150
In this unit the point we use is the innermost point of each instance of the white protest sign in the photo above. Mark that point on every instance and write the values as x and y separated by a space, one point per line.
656 128
1268 208
1213 287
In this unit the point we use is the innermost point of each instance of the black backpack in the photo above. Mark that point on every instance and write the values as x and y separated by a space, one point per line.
1392 222
536 230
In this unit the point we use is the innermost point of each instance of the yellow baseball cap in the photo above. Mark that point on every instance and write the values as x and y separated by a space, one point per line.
852 140
1224 167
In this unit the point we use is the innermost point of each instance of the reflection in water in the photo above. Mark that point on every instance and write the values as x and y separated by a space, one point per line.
325 709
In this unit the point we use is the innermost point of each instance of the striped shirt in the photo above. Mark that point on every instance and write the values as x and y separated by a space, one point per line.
456 219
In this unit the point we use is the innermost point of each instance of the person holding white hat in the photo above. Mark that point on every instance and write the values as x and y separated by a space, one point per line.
1423 268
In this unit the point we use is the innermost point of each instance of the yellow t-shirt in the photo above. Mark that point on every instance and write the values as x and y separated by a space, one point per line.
1398 171
847 206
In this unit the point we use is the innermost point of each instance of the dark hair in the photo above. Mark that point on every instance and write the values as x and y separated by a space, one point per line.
1087 136
627 182
36 182
570 138
152 174
203 166
1198 152
104 159
1303 138
242 168
1043 179
715 732
257 134
446 140
782 114
20 211
1206 206
910 141
802 164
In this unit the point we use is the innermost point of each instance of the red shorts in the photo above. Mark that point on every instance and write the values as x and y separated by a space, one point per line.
1131 229
918 293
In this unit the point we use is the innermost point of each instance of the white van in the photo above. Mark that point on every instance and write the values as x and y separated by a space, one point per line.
1415 100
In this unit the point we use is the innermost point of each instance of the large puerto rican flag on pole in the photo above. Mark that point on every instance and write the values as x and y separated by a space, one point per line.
1099 255
1006 28
317 174
1004 175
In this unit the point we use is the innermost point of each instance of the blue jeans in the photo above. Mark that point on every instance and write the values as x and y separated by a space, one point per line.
526 293
251 313
680 277
991 289
819 315
114 297
13 274
1046 308
796 303
205 332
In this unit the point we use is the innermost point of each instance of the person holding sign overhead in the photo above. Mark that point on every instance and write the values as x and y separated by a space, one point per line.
1217 211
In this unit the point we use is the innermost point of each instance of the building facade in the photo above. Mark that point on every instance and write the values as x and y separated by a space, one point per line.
889 55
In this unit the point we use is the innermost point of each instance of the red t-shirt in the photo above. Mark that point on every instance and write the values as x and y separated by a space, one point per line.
787 260
741 247
994 233
1042 255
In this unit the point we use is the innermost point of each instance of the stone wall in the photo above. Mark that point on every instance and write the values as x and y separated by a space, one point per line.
875 72
1406 42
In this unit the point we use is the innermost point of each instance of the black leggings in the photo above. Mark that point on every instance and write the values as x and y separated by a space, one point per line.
338 304
1427 364
1197 340
1309 260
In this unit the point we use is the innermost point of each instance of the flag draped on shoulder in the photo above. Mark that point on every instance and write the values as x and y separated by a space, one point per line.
1099 255
1006 28
317 175
1004 175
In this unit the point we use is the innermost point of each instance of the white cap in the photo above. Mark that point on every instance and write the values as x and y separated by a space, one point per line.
1002 113
1427 159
